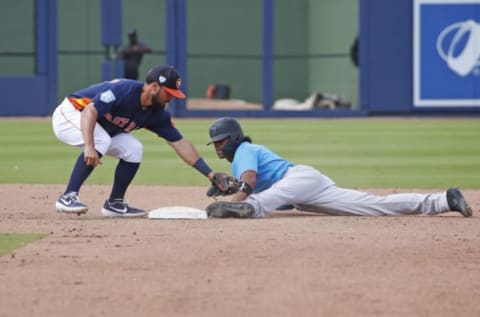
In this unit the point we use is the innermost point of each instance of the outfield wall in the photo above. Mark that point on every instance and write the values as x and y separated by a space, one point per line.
389 56
224 43
265 50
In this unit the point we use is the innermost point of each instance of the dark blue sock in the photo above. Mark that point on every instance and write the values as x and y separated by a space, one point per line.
80 173
124 173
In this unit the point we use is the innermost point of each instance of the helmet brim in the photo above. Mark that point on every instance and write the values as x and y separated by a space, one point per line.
219 137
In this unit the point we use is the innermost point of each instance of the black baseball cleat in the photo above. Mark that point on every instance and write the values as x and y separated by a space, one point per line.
120 209
224 209
456 202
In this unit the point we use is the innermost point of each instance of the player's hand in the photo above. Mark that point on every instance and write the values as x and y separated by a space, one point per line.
91 157
222 185
223 182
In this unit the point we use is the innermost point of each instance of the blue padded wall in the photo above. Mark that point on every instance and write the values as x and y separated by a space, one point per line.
387 60
386 55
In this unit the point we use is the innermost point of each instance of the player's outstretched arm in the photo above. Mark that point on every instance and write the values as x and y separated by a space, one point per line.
188 153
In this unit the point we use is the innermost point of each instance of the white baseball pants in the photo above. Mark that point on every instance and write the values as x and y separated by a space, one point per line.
66 125
307 189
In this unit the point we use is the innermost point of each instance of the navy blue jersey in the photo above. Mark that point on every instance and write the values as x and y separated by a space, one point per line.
119 109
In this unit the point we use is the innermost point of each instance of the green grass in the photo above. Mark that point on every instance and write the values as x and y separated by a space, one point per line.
375 153
12 241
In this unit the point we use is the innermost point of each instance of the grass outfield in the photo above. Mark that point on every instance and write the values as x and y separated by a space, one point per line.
368 153
12 241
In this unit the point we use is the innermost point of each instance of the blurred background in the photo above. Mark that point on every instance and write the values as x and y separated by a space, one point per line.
234 56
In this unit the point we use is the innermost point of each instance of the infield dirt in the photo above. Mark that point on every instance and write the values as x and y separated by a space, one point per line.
289 264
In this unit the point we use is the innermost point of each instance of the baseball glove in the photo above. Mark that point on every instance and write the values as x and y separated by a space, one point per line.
222 185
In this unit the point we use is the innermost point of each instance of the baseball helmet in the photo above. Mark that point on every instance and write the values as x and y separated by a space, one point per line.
225 128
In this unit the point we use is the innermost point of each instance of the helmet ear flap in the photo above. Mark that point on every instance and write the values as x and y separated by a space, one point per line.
230 148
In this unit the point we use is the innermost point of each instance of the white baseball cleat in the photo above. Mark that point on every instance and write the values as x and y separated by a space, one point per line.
69 203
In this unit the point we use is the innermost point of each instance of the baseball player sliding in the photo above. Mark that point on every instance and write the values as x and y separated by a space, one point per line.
264 181
98 120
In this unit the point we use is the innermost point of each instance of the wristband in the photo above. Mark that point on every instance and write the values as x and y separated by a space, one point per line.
244 187
202 167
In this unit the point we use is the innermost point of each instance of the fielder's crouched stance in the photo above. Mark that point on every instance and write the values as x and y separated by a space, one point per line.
264 181
98 119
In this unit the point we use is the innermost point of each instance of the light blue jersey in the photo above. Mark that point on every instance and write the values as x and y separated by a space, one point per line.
269 167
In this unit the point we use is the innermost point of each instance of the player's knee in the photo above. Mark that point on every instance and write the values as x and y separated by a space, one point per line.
134 154
103 144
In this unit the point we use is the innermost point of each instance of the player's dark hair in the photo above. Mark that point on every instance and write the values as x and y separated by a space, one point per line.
247 139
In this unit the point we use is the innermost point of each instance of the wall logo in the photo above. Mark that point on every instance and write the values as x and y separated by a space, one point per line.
459 46
446 53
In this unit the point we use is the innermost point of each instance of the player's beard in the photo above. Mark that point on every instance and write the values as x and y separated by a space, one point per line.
157 105
220 154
